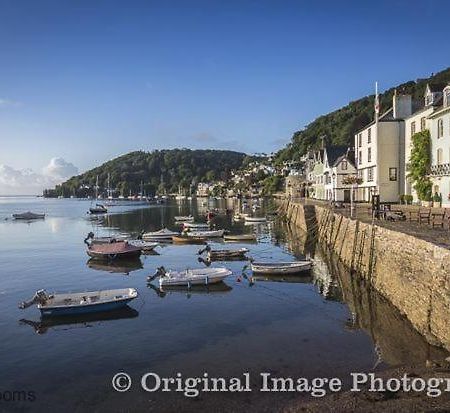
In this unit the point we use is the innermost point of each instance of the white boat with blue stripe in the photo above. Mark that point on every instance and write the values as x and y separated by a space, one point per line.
80 303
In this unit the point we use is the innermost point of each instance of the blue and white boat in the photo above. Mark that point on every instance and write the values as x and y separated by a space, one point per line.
80 303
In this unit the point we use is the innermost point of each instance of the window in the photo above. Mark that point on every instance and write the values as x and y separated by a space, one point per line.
413 128
370 174
440 126
439 156
369 135
360 158
423 124
392 174
360 140
344 165
369 155
360 175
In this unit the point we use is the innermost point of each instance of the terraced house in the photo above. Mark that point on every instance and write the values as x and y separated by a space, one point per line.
439 124
380 153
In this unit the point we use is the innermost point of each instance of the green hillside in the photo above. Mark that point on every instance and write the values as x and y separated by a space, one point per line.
339 127
160 171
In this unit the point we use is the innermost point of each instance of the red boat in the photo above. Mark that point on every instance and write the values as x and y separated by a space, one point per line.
113 251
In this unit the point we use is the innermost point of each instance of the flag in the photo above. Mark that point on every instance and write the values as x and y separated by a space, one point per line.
377 100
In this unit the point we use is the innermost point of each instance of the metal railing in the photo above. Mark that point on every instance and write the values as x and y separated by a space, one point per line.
440 170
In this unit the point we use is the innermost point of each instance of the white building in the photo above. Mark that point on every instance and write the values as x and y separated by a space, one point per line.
338 162
440 148
380 153
418 122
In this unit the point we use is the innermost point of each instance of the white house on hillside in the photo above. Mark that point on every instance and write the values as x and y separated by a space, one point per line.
380 153
338 162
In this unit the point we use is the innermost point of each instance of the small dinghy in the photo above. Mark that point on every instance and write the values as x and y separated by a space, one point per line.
80 303
256 219
202 276
28 216
183 239
206 234
161 235
181 219
98 209
216 255
196 225
279 268
113 251
240 237
143 245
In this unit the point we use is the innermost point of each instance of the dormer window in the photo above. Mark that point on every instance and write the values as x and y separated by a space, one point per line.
447 96
344 165
428 99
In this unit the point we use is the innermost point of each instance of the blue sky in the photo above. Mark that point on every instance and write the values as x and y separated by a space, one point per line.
86 81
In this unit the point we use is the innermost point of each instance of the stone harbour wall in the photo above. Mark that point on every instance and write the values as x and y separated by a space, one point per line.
411 273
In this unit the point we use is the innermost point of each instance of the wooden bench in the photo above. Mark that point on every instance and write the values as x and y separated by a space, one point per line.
437 219
424 216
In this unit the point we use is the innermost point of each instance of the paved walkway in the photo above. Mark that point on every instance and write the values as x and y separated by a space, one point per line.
438 236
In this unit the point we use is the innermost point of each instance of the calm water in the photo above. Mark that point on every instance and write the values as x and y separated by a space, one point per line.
324 325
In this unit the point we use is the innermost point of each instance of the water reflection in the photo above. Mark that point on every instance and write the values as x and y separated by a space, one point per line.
116 267
395 341
79 321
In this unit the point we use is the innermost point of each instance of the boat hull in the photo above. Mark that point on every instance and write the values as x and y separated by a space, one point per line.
89 308
259 268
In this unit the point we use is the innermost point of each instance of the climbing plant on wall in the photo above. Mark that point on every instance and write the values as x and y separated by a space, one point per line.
419 165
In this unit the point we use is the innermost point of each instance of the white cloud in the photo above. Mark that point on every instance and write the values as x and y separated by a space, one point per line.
27 182
60 168
7 103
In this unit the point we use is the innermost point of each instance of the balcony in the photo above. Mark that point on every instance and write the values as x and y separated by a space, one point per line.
440 170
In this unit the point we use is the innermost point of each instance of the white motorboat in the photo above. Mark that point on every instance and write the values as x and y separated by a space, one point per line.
161 235
224 254
80 303
206 234
190 277
143 245
278 268
196 225
98 209
255 219
28 216
181 219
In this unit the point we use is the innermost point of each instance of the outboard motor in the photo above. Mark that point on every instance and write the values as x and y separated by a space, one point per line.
90 236
40 297
207 248
160 272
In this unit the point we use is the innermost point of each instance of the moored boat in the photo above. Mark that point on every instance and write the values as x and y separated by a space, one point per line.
279 268
182 219
206 234
113 251
190 277
240 237
183 239
80 303
196 225
143 245
98 209
256 219
28 216
224 254
161 235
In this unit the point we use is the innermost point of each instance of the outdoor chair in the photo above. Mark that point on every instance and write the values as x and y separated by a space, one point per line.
424 216
437 219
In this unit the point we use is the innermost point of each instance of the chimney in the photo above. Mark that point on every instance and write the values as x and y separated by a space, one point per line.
401 105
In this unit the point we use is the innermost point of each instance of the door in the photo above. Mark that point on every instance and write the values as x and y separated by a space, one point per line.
346 195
